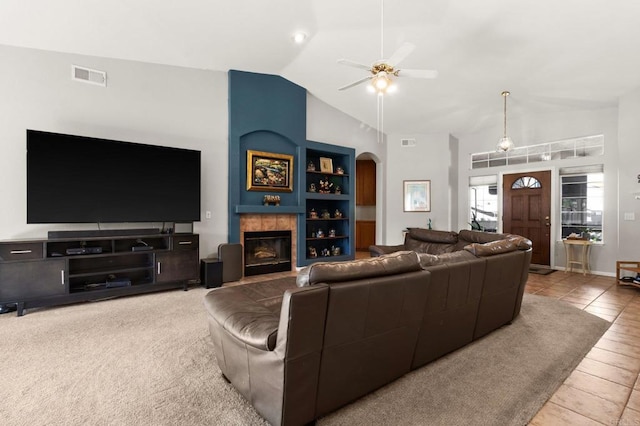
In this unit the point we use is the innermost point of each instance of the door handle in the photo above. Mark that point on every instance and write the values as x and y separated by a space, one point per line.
546 218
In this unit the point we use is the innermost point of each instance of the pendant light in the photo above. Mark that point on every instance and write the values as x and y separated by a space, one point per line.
505 143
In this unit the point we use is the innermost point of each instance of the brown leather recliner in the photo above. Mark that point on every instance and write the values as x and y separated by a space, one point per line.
300 352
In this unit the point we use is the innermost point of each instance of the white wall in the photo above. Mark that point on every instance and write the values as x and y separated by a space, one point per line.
429 159
628 179
143 103
328 125
543 128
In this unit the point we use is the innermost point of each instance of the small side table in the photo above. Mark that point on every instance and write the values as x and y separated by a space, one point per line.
629 266
211 272
581 258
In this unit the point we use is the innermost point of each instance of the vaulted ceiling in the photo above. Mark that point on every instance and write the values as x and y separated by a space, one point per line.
551 55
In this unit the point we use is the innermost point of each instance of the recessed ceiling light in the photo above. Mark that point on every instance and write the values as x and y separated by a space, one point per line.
299 37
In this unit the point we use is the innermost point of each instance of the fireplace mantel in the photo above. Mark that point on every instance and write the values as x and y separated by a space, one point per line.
269 209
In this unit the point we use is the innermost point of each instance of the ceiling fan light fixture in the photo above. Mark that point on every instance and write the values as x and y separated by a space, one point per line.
505 143
381 83
299 37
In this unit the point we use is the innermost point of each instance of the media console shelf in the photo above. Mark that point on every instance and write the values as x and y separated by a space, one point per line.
56 271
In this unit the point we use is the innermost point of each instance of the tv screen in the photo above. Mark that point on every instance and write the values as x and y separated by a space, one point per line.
76 179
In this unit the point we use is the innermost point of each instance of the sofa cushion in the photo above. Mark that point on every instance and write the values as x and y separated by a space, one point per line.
491 248
433 236
521 242
430 241
332 272
427 259
250 313
479 236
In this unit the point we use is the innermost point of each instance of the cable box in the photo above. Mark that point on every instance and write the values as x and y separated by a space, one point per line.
84 250
141 248
118 282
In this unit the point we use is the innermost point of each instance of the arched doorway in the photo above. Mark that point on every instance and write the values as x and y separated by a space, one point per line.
366 171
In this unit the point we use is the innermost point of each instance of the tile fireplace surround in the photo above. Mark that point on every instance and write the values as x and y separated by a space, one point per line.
271 222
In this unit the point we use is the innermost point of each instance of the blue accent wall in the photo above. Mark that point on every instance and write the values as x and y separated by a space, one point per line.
266 113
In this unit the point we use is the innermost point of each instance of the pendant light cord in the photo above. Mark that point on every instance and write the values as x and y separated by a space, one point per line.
504 95
381 29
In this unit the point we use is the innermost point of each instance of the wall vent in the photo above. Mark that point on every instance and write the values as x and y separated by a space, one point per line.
407 142
87 75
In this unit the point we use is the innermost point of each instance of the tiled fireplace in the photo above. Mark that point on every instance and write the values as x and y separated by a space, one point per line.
261 223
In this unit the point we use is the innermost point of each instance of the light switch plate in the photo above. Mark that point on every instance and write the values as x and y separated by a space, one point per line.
630 216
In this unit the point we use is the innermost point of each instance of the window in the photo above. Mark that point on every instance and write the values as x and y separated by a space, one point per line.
589 146
582 195
483 199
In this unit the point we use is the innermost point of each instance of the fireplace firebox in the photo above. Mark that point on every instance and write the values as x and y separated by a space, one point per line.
266 252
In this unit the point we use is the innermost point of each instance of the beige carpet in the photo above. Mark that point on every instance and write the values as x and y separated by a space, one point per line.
147 360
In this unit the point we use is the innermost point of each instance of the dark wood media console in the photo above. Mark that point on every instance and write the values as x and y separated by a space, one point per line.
56 271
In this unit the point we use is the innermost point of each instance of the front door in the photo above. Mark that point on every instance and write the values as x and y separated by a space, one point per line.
526 209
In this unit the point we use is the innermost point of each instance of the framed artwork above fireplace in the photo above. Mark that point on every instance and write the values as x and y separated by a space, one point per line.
268 171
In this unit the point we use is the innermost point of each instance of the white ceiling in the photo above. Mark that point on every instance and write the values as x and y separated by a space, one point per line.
551 54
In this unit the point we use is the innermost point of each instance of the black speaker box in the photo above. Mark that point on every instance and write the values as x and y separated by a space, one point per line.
211 273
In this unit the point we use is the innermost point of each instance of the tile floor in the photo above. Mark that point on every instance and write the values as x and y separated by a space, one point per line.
605 387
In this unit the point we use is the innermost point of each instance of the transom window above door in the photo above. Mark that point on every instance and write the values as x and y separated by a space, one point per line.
526 182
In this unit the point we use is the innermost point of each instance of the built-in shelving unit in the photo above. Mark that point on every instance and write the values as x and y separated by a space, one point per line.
326 229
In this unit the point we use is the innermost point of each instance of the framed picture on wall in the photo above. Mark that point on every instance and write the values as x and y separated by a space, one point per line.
417 195
267 171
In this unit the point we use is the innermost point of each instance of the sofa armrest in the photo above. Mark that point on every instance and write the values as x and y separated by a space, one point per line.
243 318
376 251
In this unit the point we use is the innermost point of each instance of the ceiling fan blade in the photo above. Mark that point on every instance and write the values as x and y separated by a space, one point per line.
418 73
349 63
355 83
403 51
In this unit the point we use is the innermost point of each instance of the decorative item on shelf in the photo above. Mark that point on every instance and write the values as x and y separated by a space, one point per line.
326 252
325 185
429 224
312 187
320 233
335 251
338 190
311 167
332 233
313 252
313 214
326 165
313 233
325 214
271 199
337 214
339 170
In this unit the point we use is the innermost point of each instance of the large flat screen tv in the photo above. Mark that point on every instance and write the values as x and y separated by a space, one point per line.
76 179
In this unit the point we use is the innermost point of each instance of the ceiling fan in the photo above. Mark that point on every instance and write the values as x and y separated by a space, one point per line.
383 72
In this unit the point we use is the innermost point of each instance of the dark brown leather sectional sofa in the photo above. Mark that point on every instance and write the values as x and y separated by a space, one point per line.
299 351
